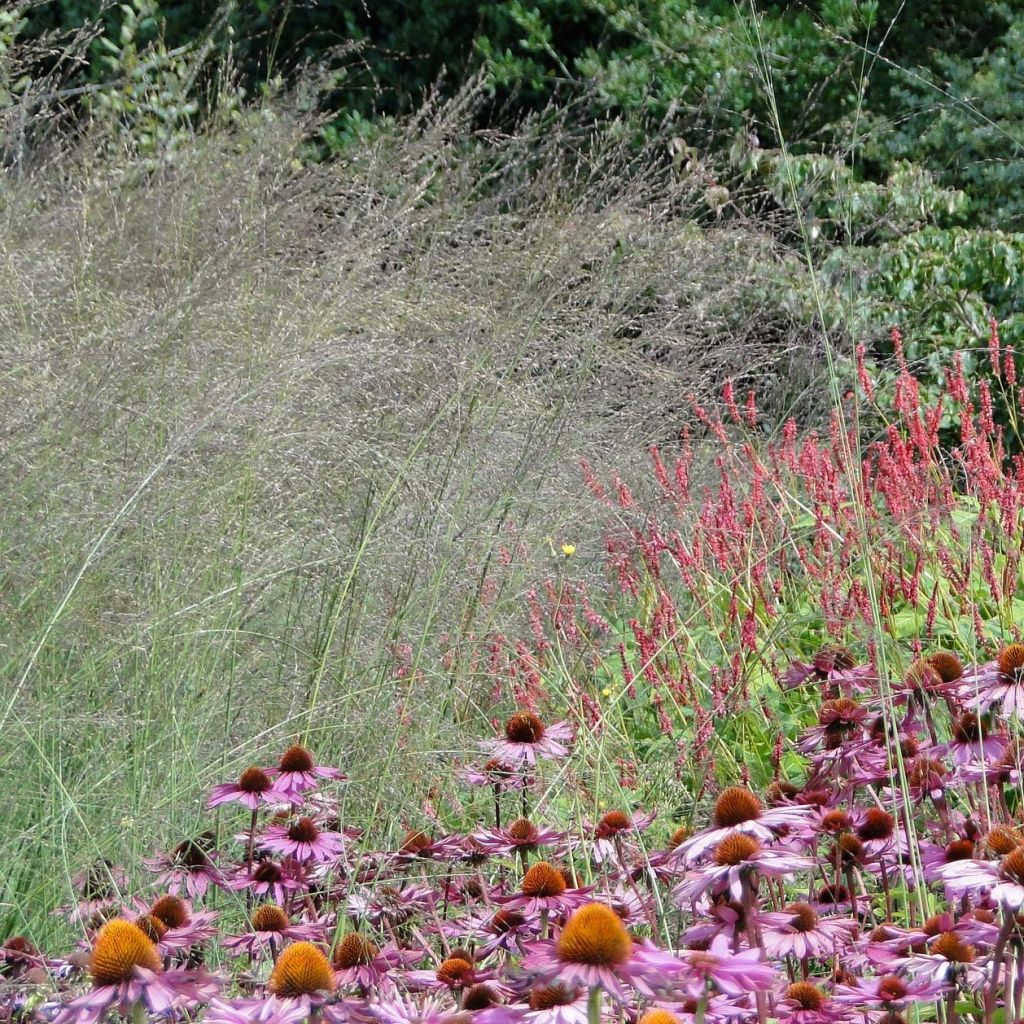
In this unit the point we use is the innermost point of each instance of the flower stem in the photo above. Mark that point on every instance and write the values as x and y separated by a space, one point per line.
594 1005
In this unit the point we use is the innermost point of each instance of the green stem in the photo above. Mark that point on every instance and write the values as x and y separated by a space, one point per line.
594 1005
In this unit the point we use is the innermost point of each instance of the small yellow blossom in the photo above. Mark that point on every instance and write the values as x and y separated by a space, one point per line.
568 550
606 692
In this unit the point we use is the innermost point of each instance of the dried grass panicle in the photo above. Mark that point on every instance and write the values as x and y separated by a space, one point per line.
342 385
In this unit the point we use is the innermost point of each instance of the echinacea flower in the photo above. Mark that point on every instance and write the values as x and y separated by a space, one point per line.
950 958
973 740
303 841
1002 880
455 973
270 930
358 961
301 981
520 837
736 857
174 925
616 834
527 739
594 950
738 810
389 906
798 930
889 992
547 1004
999 682
408 1009
805 1003
189 868
254 789
125 970
271 880
731 973
419 846
495 774
297 772
544 889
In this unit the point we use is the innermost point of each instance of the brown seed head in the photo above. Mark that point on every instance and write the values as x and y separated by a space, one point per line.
121 946
523 832
268 872
301 970
806 995
1013 865
354 951
678 836
190 854
595 935
269 918
547 997
960 849
479 997
456 972
415 843
830 658
849 848
296 759
891 988
1003 840
254 780
947 664
303 831
543 879
612 824
877 824
505 921
152 927
524 727
805 918
735 849
171 910
954 949
836 822
736 805
1011 661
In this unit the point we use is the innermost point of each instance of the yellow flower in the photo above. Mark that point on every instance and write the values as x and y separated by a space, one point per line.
606 692
568 550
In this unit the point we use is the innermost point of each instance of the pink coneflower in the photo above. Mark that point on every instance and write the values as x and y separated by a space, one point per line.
1002 880
495 774
189 868
358 961
736 857
301 981
254 789
616 834
272 880
527 740
304 841
419 846
270 931
17 955
125 969
391 907
548 1004
828 663
949 959
732 974
805 1003
1006 770
174 926
298 773
738 810
455 973
973 741
594 950
997 682
405 1009
503 929
799 931
889 992
522 836
544 890
933 856
839 721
